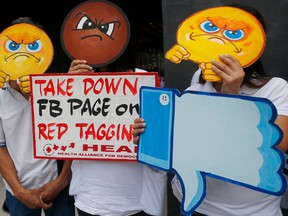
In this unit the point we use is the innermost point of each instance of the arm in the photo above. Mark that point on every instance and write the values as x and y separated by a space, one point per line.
30 197
52 189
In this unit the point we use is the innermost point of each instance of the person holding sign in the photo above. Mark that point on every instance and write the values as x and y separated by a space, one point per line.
226 75
32 185
115 187
107 187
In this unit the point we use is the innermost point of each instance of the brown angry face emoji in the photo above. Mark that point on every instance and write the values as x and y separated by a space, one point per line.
96 31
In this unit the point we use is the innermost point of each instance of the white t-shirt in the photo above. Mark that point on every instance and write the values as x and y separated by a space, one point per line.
109 188
16 134
196 77
227 199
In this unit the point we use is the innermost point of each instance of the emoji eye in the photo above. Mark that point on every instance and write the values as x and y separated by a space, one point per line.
209 27
12 46
34 46
85 23
107 28
234 35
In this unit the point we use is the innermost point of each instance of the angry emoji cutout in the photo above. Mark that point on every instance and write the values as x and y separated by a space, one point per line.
24 49
206 34
95 31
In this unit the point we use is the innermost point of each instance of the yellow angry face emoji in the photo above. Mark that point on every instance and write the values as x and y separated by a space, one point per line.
24 49
205 35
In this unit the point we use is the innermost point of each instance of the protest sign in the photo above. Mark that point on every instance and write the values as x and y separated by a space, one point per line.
86 116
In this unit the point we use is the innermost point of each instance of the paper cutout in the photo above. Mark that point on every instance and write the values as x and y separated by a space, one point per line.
206 34
97 31
24 49
199 134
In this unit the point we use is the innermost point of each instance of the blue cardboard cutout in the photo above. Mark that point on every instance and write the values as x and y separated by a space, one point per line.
238 145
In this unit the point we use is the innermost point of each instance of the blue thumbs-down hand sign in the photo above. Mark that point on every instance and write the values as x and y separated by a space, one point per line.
199 134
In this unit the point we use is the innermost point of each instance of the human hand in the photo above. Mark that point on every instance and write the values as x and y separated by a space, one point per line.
32 198
80 66
231 72
51 190
138 128
3 78
24 83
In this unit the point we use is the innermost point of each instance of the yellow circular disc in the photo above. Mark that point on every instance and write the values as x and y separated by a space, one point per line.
222 30
24 49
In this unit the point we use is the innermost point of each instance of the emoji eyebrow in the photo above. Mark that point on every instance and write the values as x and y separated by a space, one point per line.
22 40
82 14
209 19
14 40
99 22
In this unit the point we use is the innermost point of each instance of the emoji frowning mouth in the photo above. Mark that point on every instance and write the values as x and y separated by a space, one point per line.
222 41
217 40
89 36
21 54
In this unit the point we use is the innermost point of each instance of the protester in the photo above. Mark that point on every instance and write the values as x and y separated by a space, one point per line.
222 197
114 188
32 185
